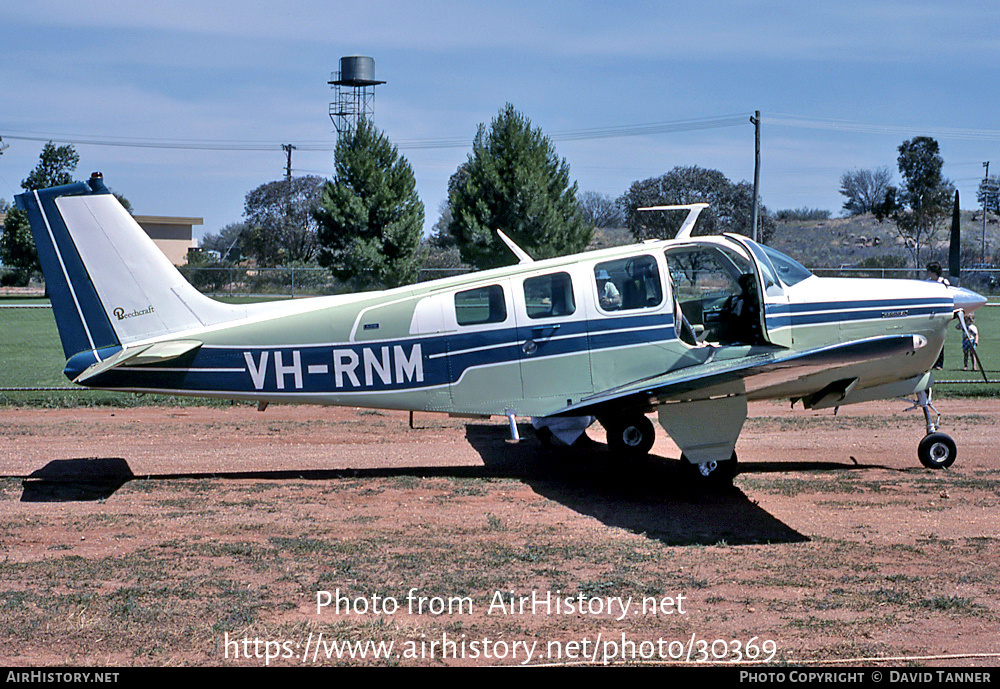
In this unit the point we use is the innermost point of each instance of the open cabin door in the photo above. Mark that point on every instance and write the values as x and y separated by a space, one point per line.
774 309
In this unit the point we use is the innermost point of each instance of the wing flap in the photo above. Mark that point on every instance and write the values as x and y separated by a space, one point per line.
748 375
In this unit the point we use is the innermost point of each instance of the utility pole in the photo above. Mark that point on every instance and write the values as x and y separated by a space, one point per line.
986 198
288 148
756 172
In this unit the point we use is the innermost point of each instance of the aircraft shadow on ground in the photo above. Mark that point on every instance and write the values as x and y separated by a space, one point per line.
98 478
656 498
76 480
649 498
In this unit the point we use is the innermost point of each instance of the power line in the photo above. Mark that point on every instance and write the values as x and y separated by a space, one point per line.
585 134
648 129
804 122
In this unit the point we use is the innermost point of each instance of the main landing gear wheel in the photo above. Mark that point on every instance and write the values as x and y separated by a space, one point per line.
937 451
631 436
719 473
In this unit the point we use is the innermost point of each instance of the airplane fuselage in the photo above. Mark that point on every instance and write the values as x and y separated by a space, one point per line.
692 328
436 347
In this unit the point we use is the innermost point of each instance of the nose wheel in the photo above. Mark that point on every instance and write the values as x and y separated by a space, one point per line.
937 450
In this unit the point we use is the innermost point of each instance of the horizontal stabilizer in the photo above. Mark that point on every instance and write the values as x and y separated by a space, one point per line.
156 353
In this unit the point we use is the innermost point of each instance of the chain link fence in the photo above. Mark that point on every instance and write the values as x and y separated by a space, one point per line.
985 280
32 356
242 281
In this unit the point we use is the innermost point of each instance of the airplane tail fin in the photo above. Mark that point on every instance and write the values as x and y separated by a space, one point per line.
109 284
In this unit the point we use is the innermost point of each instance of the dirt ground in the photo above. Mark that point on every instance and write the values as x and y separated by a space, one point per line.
305 535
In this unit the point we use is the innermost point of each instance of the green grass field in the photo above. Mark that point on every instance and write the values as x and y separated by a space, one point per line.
988 322
32 357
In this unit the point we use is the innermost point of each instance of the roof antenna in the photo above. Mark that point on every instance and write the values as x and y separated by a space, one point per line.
522 255
693 210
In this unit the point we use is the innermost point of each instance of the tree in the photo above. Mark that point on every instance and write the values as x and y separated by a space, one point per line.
441 236
55 167
280 221
730 206
126 204
864 189
17 245
370 217
227 241
920 208
516 183
17 248
600 210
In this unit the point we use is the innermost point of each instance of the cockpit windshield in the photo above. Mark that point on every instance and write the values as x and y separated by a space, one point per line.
790 271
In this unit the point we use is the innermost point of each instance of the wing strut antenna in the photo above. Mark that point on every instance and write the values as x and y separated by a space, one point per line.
693 210
522 255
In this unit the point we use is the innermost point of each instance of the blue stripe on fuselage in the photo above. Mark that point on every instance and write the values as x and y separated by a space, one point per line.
381 366
783 315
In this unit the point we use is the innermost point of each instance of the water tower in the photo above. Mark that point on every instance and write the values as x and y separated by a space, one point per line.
354 92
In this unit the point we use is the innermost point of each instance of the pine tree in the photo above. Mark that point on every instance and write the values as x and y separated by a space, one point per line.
515 182
370 217
17 245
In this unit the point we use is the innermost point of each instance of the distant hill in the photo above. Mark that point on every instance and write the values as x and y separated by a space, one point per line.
845 242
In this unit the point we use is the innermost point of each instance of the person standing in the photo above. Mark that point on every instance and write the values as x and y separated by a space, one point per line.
970 340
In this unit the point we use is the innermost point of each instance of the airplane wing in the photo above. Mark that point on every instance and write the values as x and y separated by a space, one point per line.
749 374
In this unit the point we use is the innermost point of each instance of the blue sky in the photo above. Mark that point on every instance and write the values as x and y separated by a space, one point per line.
839 87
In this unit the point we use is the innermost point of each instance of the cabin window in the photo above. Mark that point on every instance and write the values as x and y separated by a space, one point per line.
480 305
549 296
628 283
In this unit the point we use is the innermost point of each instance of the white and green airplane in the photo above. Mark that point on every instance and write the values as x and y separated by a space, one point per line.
692 328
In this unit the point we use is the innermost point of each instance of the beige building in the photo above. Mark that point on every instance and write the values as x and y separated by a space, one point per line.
173 235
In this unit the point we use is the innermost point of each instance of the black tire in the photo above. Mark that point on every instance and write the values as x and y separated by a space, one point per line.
632 436
713 473
937 451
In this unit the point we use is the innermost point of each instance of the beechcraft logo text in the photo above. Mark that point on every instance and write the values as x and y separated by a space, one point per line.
121 315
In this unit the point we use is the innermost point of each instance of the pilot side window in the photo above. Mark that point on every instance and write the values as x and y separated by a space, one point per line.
628 283
549 296
480 305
